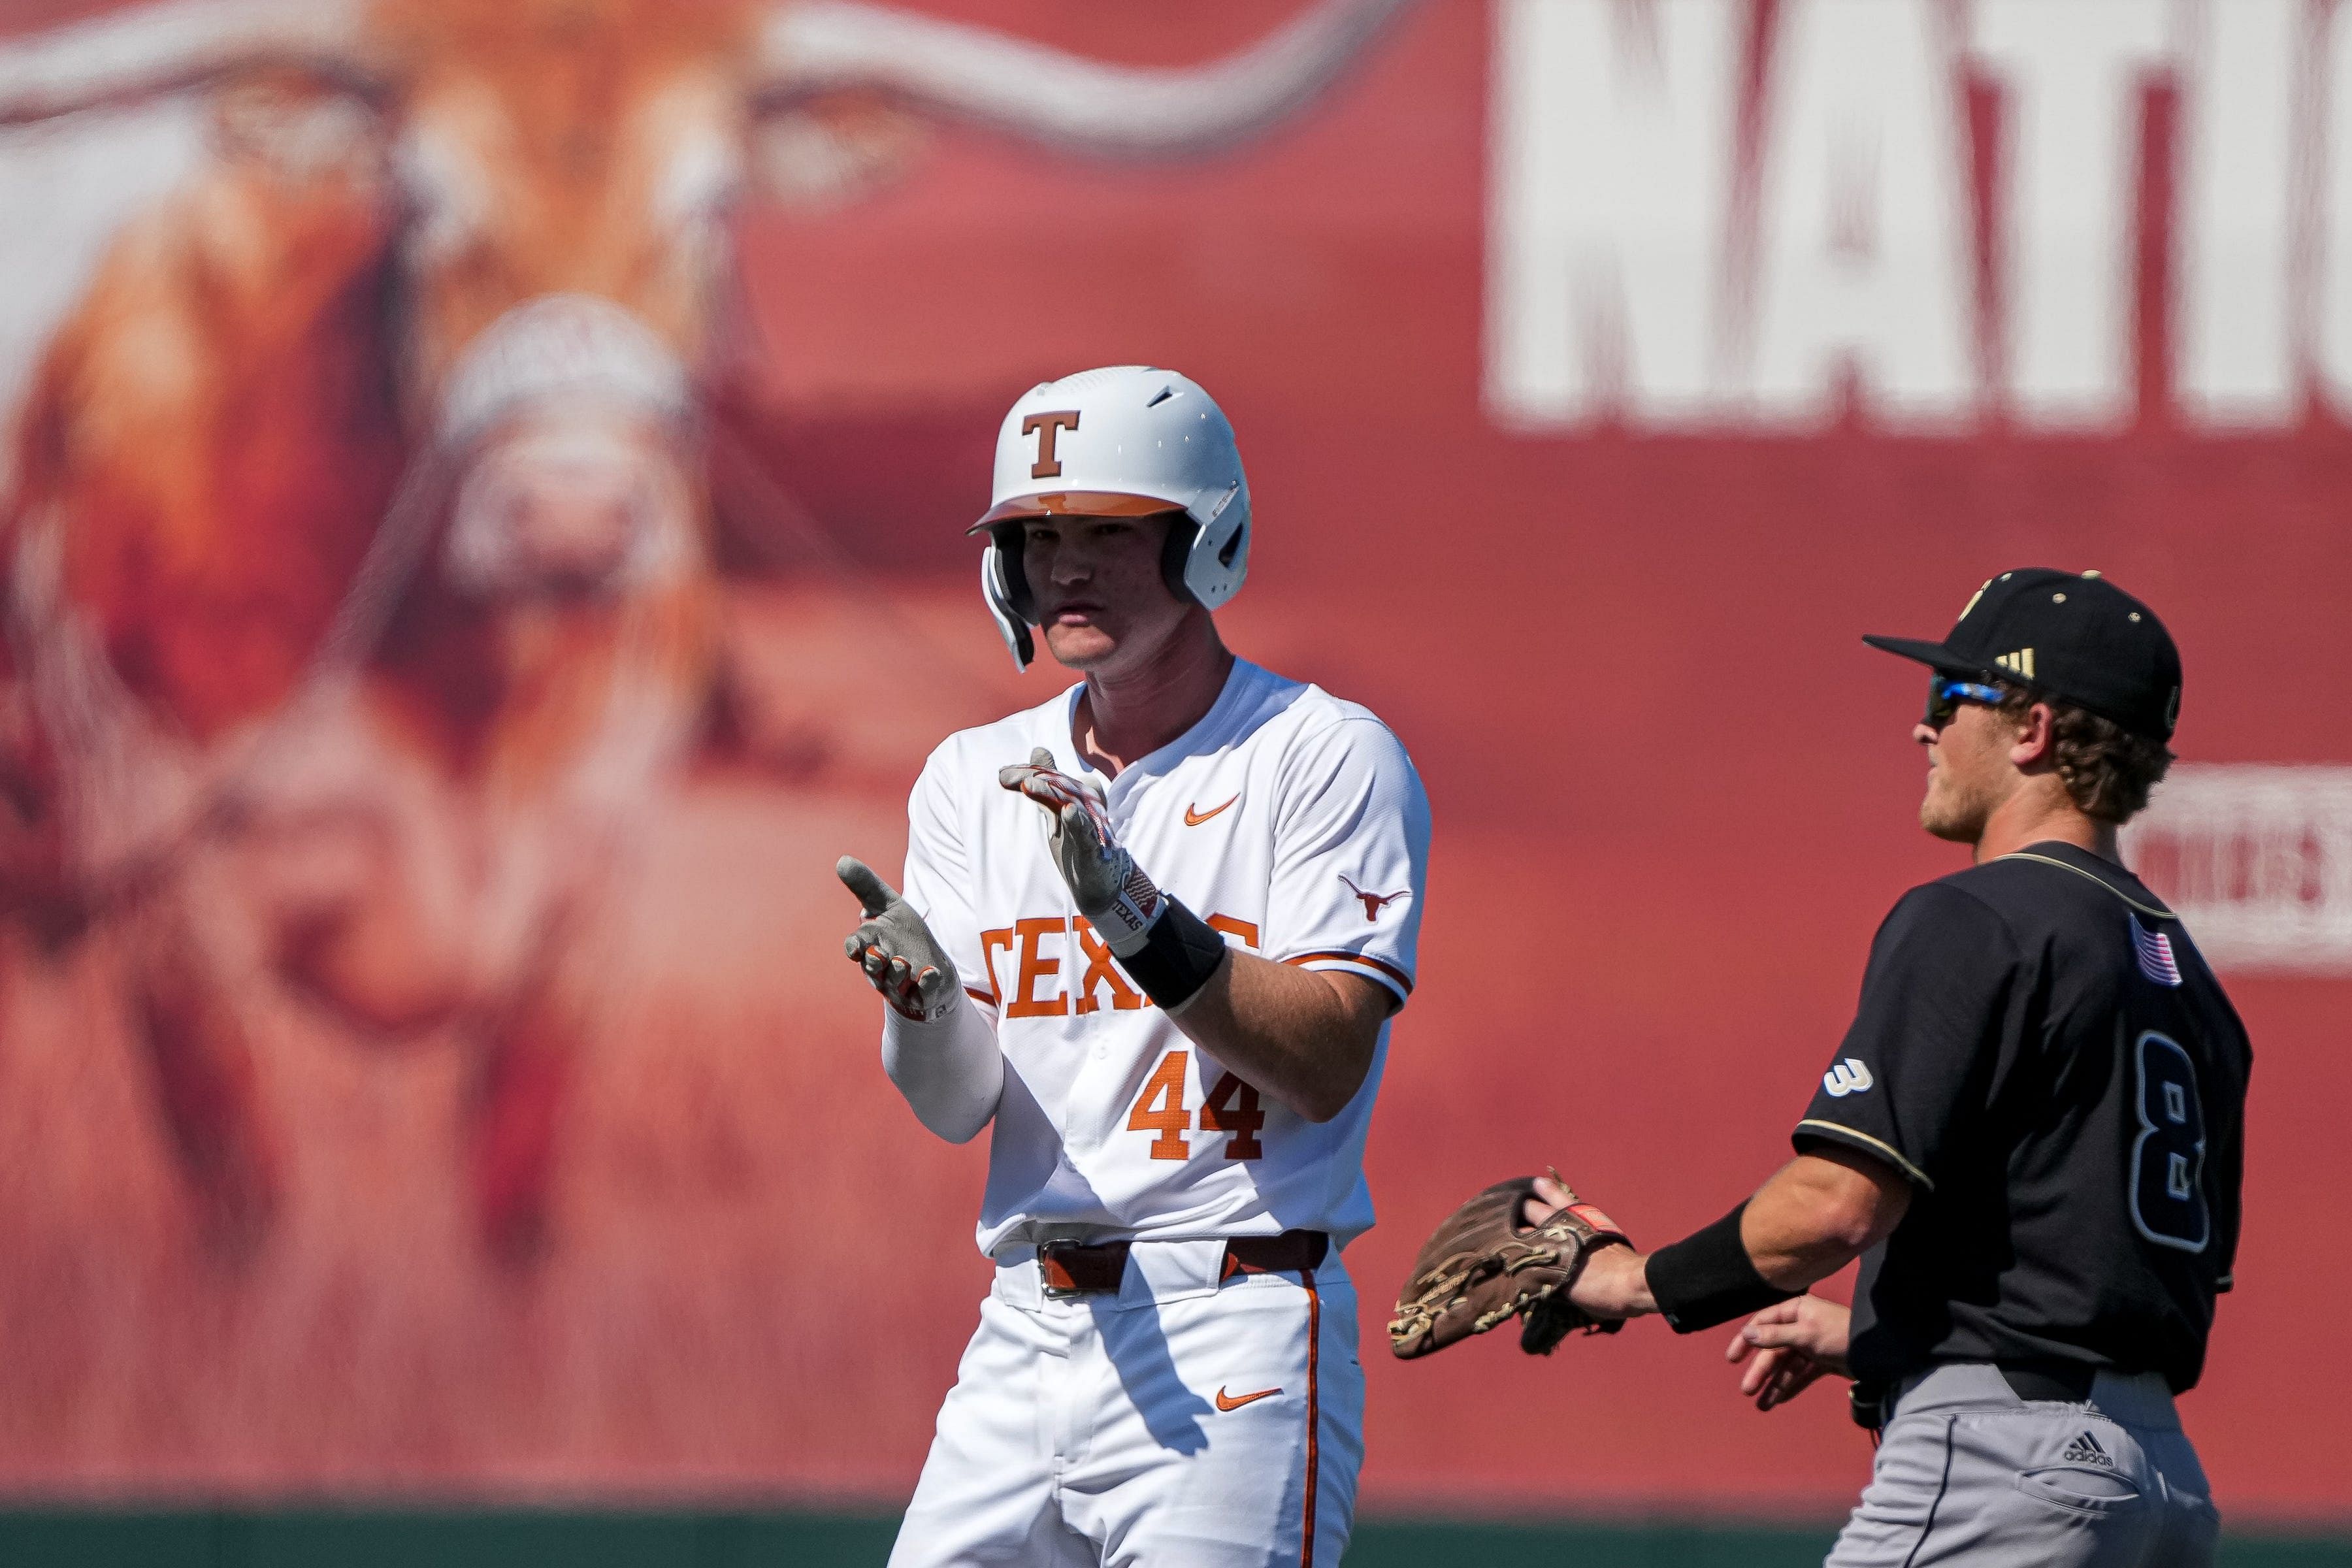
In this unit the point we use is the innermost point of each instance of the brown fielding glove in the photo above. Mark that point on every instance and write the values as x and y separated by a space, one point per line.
1483 1267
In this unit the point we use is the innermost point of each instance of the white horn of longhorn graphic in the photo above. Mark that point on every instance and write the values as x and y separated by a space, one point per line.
1044 94
151 49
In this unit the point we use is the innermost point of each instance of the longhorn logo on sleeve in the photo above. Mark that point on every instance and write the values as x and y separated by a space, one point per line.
1373 902
1849 1077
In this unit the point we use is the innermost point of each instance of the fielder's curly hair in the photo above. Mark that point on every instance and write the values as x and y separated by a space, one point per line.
2105 768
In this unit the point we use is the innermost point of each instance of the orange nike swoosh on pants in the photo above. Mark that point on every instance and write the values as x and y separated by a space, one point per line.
1193 818
1228 1402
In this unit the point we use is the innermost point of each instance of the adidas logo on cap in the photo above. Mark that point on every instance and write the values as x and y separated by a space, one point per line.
2018 663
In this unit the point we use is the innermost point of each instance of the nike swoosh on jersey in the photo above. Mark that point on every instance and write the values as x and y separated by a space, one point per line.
1228 1402
1194 816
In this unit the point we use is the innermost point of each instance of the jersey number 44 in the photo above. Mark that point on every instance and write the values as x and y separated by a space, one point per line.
1233 1108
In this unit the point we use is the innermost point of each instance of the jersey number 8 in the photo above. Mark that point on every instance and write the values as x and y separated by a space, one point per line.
2168 1161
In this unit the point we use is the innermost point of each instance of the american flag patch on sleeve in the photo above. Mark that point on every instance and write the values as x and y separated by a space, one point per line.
2154 949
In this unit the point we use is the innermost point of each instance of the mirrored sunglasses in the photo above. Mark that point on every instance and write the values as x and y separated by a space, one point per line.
1945 695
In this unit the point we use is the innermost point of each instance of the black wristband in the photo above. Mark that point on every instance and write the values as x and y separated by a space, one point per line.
1707 1278
1180 954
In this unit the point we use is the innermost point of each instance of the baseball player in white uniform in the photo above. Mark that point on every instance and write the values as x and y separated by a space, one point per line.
1154 930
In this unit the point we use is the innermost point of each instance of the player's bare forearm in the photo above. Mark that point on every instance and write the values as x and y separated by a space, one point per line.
1817 1214
1304 1037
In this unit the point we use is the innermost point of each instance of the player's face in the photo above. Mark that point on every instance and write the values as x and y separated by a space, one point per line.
1100 599
1969 772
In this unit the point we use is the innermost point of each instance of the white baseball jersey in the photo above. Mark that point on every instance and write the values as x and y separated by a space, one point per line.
1294 824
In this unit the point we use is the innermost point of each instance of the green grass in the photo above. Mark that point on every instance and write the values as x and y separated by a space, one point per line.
620 1538
1459 1544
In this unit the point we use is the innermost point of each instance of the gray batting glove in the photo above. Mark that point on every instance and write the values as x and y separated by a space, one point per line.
896 950
1109 888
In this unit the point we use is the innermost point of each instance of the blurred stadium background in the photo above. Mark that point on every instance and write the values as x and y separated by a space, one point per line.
435 1123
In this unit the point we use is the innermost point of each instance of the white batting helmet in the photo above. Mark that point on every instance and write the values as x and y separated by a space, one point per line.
1124 441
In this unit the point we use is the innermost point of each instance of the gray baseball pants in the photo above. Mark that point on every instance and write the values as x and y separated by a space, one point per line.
1970 1476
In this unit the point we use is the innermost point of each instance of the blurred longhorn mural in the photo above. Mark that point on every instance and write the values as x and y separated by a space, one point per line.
360 590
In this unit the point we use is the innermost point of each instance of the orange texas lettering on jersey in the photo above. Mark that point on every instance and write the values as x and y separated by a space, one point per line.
1048 980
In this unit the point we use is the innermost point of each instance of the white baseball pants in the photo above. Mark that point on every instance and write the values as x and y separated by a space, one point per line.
1181 1423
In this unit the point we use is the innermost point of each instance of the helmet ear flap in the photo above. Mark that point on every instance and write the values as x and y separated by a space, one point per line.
1012 544
1006 587
1234 546
1175 552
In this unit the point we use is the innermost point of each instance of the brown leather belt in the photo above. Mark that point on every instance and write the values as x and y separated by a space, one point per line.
1074 1269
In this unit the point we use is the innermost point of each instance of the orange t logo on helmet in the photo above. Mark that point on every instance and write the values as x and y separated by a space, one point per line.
1047 427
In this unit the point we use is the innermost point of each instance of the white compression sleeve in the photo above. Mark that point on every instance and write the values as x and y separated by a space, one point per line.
950 1068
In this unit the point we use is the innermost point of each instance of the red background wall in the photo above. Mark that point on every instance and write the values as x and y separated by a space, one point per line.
1627 665
1674 795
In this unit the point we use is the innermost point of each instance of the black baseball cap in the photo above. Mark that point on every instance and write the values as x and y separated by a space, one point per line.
2073 637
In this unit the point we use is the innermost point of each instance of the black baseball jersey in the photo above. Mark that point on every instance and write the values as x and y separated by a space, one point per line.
2046 1057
